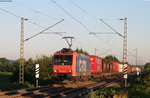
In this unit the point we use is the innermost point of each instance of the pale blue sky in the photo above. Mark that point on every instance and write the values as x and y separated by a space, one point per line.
137 12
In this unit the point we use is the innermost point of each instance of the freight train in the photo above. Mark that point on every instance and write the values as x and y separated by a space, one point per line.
74 66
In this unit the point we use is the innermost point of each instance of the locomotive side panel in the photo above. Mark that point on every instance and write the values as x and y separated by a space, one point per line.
83 67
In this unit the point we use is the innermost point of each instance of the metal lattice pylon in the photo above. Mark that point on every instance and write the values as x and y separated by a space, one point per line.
125 51
21 69
125 42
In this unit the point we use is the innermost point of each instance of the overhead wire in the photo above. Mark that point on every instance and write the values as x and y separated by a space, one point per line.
40 25
44 30
79 21
10 13
131 53
71 16
82 9
93 18
80 36
85 44
107 43
74 19
36 11
21 17
89 13
29 21
88 46
90 16
104 41
33 10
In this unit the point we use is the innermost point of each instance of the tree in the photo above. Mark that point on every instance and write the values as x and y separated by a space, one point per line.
45 67
81 51
147 65
29 71
15 76
111 58
6 65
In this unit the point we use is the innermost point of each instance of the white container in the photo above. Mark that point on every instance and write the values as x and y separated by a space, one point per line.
121 68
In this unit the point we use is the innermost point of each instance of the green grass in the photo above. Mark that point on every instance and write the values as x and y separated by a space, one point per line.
5 77
7 85
5 80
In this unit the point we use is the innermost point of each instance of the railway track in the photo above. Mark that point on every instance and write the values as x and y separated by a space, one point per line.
78 92
55 92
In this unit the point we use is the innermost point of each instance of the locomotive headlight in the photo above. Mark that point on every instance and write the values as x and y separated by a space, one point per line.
69 70
55 70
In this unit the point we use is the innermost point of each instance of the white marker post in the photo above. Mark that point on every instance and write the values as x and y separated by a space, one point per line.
125 74
37 73
137 71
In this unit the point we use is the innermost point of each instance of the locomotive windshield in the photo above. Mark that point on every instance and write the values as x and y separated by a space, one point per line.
62 60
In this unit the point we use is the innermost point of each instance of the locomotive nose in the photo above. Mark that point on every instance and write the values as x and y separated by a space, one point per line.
62 69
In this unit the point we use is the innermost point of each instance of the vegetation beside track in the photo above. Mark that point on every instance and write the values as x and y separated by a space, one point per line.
9 70
9 73
7 85
139 87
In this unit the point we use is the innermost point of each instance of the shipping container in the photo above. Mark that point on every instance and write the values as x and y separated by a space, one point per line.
96 64
129 68
104 66
111 67
115 66
121 68
133 69
107 66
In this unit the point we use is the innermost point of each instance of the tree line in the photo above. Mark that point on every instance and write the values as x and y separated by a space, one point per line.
45 63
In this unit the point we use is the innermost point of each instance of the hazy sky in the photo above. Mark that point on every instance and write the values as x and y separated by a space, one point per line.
80 18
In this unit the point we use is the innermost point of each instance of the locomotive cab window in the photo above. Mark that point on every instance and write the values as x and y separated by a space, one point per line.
62 60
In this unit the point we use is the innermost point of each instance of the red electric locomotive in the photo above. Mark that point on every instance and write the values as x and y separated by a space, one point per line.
70 65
